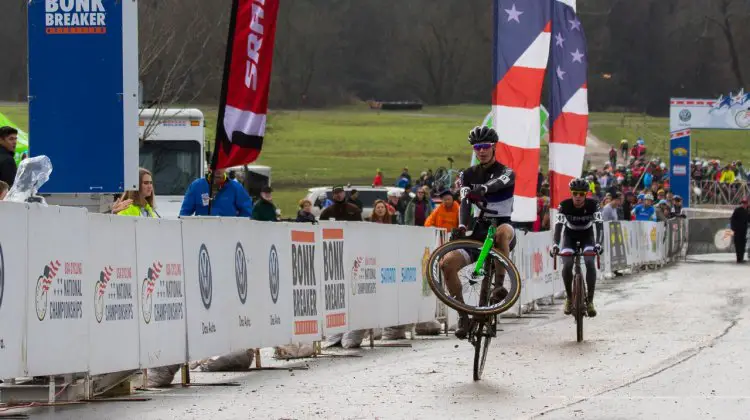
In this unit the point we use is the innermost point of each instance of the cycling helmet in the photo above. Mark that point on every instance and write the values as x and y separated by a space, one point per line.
579 184
479 135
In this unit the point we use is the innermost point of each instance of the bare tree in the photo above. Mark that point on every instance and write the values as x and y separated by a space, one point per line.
175 38
724 15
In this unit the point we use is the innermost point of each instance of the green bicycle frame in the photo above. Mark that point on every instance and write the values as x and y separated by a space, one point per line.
489 242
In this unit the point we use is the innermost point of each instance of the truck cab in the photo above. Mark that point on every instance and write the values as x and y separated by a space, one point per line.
172 148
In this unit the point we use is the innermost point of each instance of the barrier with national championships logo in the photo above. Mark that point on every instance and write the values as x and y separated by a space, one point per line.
13 271
161 292
58 310
111 281
117 293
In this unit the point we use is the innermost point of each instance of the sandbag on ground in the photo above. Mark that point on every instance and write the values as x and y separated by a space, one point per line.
237 361
293 351
429 328
350 340
395 333
162 376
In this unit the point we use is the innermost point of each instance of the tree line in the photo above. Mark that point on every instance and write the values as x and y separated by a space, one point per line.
330 52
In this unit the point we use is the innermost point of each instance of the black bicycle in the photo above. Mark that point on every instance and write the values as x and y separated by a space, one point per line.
478 280
579 298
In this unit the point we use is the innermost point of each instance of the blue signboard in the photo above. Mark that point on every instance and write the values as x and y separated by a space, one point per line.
679 165
83 93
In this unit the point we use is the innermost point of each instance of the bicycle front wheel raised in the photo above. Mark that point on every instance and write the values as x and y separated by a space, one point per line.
471 284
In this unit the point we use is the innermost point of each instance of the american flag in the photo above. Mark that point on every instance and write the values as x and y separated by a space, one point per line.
569 111
522 42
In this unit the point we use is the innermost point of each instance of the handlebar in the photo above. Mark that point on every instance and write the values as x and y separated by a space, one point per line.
480 203
583 254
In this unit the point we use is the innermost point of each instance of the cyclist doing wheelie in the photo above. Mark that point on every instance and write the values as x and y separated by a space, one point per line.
579 220
494 182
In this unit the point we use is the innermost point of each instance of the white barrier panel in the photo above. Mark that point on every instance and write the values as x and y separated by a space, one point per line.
428 301
112 281
335 289
543 275
649 242
269 285
208 255
382 260
161 292
58 309
306 288
630 232
608 244
408 262
363 275
13 271
245 305
521 257
661 237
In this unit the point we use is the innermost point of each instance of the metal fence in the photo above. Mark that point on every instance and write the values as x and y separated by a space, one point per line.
717 193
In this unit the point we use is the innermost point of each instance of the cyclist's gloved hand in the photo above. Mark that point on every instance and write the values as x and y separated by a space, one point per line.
459 232
598 248
555 250
479 190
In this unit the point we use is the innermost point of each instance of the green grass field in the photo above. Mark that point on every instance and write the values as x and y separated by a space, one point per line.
346 145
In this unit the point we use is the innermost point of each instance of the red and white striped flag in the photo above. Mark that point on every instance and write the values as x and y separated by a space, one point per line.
522 40
569 110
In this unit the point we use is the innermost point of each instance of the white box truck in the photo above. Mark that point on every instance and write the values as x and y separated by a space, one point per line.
172 147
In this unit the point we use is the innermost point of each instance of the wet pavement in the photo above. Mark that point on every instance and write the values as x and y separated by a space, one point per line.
668 344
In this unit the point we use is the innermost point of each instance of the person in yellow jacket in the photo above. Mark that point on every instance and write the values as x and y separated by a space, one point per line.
445 215
727 177
138 203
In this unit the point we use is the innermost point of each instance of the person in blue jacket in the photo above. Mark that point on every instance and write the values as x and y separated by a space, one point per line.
645 212
230 198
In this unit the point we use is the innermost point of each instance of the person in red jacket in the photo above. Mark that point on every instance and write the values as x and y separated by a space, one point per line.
378 181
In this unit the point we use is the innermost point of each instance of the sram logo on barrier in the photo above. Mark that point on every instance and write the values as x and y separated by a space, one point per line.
75 17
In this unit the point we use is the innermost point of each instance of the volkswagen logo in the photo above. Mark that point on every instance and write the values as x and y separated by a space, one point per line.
2 275
273 273
204 276
685 115
240 272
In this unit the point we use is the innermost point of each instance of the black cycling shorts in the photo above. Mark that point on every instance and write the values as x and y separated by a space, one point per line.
479 233
570 237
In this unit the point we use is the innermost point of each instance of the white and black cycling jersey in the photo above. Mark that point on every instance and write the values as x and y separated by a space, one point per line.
579 219
499 181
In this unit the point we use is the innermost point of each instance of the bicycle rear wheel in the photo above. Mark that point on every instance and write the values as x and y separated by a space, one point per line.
471 285
578 304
